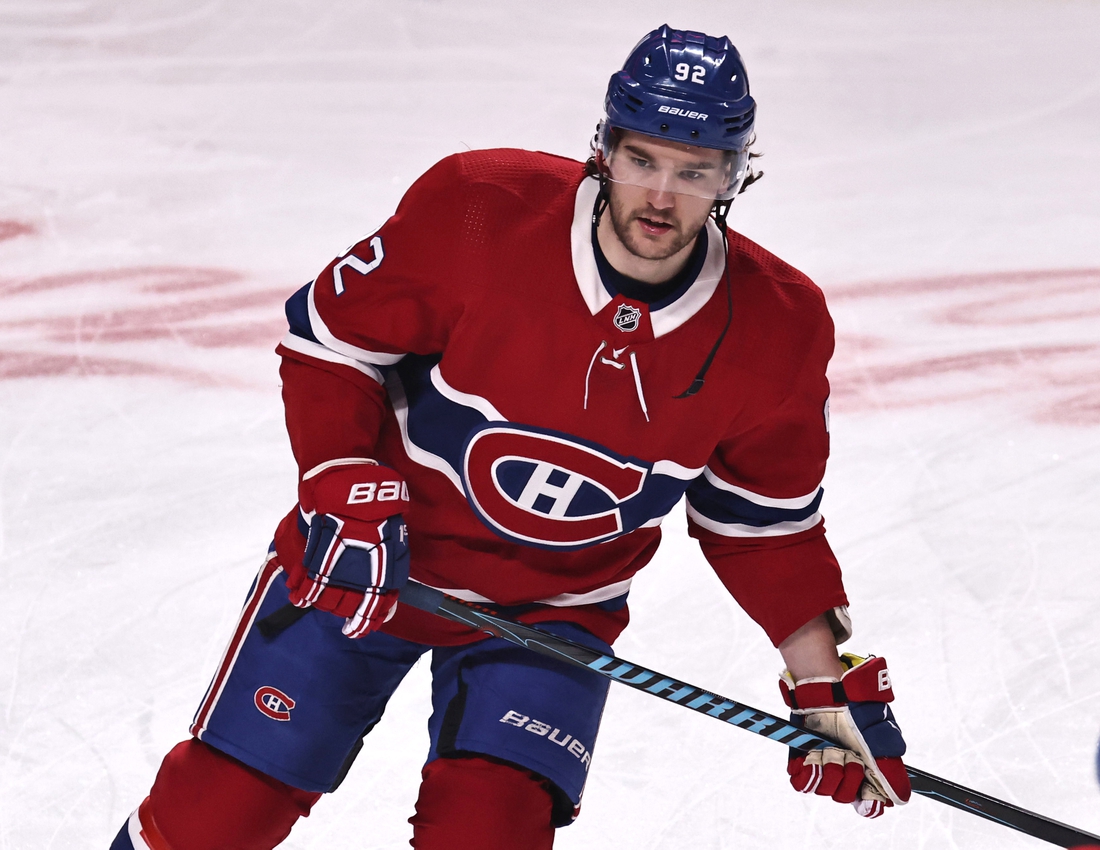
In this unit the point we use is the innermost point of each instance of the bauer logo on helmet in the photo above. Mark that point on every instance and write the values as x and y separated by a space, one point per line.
683 113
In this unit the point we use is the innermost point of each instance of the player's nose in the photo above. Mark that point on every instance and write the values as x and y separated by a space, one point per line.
661 199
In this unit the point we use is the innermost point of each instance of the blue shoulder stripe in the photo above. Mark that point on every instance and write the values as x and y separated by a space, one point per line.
302 338
297 314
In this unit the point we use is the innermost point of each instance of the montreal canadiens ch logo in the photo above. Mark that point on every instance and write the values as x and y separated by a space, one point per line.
545 490
627 318
274 703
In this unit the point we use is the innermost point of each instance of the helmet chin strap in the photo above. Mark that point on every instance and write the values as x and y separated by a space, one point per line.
721 210
603 198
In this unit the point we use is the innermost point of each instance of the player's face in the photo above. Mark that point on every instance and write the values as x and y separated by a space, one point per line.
661 193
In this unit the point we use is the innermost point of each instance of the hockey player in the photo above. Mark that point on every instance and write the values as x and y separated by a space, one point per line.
502 392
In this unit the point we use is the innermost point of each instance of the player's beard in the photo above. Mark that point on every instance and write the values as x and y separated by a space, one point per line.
681 234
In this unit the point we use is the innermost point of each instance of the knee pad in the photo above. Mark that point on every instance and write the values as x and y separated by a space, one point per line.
203 799
478 804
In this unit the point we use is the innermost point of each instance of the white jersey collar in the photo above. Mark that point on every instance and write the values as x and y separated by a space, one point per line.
595 295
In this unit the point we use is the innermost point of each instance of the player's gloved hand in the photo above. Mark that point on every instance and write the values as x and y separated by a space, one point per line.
854 711
357 554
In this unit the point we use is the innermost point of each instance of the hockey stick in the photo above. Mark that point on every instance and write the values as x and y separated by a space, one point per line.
729 710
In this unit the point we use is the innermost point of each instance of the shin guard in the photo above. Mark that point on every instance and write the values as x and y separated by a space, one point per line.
475 804
204 800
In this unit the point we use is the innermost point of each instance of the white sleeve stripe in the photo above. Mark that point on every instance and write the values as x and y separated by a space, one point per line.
325 336
756 498
478 403
319 352
675 470
777 529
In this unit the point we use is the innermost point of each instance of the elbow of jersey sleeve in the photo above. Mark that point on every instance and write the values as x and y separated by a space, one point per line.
329 415
782 583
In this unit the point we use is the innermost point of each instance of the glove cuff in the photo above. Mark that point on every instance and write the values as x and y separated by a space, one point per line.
866 680
353 487
340 461
808 694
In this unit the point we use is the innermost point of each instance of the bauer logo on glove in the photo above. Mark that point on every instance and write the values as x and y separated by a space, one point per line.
852 710
357 553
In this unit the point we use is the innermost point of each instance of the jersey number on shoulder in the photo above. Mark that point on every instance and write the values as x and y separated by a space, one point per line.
356 264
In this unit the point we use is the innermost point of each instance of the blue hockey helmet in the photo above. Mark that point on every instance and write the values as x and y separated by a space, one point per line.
686 87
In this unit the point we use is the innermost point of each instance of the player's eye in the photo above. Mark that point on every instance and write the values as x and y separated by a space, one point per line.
691 175
638 162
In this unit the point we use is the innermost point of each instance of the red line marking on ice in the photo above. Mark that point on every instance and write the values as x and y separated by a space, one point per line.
10 229
164 321
124 322
154 279
1052 369
29 364
970 362
76 323
955 283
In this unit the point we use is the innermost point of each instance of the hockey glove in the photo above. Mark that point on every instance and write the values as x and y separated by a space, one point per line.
357 554
853 710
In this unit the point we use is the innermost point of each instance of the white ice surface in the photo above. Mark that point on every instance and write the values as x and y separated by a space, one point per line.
170 171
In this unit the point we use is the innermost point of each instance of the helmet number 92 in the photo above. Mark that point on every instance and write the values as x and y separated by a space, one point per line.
696 73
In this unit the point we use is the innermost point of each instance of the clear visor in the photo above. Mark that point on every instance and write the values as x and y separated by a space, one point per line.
699 172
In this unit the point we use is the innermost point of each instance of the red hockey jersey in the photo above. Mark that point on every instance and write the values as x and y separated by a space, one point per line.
472 344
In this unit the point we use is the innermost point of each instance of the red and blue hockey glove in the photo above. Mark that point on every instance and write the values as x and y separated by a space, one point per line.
357 553
854 711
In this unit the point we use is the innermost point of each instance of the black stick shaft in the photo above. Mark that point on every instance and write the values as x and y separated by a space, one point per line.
731 711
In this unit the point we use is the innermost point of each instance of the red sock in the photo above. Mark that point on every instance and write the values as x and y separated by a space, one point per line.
203 799
474 804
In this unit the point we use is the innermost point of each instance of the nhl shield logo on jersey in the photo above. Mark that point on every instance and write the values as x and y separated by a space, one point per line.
627 318
274 703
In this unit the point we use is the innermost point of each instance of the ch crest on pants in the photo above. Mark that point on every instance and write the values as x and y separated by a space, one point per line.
274 703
